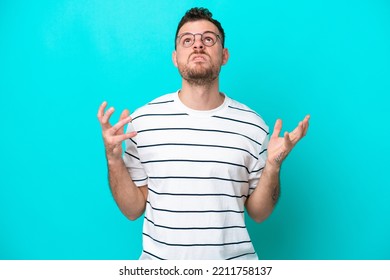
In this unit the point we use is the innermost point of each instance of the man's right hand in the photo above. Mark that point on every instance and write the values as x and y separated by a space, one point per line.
113 136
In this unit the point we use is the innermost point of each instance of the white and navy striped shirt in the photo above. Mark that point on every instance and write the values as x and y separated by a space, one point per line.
200 167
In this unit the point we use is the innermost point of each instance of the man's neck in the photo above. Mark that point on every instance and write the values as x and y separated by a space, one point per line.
201 97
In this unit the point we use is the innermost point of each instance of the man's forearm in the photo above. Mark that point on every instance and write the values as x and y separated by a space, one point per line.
263 200
130 199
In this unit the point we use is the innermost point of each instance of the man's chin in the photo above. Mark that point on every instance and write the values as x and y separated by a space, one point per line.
200 79
200 71
198 74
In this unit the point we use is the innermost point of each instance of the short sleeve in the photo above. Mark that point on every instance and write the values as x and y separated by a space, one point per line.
133 162
257 170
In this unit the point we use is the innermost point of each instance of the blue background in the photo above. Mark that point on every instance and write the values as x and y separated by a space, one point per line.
60 59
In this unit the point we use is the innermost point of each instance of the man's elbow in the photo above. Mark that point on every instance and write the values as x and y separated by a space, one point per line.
260 215
260 218
131 215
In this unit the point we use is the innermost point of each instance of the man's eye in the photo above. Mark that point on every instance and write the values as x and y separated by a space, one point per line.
187 41
208 40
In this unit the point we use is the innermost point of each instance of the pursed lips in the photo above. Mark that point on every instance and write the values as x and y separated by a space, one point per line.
198 57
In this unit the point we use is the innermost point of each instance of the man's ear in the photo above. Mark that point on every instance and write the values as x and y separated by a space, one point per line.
225 56
174 59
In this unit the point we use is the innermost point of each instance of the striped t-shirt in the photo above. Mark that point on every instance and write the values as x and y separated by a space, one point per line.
200 167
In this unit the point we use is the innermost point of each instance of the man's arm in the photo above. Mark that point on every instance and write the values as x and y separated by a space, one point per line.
130 199
262 201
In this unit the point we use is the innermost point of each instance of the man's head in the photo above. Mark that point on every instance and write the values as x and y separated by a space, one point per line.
199 47
196 14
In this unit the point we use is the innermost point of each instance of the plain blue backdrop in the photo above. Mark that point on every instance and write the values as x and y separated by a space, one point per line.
60 59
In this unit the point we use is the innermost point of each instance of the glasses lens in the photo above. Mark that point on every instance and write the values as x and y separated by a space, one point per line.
187 40
209 38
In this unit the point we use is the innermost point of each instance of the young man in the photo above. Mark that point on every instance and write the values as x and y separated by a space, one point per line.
195 159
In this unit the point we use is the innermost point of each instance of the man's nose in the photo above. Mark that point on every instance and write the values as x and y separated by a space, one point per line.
198 43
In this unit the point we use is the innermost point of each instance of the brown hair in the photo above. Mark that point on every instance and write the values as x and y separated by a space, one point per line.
196 14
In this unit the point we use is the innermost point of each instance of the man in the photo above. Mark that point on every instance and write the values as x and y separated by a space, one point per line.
195 159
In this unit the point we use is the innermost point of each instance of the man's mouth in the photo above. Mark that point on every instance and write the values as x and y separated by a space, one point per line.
198 58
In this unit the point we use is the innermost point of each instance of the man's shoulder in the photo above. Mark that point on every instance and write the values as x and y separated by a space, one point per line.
241 111
166 98
157 104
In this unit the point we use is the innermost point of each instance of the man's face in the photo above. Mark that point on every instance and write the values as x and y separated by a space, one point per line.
199 64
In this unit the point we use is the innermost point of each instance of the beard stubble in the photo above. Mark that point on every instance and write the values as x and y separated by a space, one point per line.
201 73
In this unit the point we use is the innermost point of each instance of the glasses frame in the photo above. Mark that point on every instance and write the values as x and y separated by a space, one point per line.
178 38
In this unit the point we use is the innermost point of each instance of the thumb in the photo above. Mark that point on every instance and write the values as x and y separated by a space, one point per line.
277 128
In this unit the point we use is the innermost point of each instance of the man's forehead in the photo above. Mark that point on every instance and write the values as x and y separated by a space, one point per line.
198 26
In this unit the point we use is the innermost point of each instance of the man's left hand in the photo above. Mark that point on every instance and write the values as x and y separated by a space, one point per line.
280 147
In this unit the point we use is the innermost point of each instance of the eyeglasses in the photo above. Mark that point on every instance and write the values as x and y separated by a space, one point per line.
208 39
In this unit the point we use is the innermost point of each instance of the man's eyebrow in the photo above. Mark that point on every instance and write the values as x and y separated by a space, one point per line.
183 33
